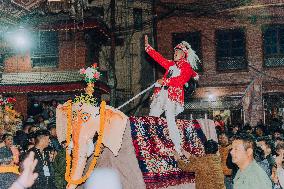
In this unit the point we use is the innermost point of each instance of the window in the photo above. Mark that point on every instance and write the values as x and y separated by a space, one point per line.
137 16
273 43
45 53
98 12
194 39
231 50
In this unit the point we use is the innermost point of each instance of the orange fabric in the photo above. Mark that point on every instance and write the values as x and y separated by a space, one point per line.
9 169
208 171
224 151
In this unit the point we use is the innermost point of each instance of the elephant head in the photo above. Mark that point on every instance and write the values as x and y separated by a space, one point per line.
85 123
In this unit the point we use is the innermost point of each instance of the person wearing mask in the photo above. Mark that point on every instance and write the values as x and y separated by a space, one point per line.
35 108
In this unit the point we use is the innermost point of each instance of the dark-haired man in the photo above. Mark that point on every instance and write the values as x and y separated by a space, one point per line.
45 178
22 138
250 175
267 145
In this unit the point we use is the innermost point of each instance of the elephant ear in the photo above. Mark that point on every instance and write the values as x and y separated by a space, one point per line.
61 122
115 124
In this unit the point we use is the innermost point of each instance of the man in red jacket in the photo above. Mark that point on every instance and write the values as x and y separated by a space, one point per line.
169 94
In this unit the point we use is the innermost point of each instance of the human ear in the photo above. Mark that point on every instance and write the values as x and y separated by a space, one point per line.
250 151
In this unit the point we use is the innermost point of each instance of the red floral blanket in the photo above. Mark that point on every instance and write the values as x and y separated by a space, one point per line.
154 149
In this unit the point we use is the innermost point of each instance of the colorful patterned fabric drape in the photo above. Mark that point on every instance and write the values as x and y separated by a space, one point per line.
154 149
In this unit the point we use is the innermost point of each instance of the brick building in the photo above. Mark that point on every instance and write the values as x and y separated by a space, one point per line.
31 77
133 19
50 68
241 45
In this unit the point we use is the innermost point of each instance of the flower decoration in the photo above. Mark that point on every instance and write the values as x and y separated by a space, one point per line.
91 74
87 99
9 101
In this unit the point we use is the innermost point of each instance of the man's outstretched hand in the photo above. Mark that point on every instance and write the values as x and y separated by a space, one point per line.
146 41
27 177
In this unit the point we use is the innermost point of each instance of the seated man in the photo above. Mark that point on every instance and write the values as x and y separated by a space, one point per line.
208 169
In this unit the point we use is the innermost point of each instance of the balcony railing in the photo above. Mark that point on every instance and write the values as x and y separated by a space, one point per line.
231 63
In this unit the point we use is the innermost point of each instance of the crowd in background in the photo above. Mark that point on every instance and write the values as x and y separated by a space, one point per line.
38 135
245 157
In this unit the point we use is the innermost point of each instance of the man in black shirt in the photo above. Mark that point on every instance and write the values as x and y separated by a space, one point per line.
44 169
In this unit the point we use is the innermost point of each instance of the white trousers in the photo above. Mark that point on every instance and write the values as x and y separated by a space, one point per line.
161 103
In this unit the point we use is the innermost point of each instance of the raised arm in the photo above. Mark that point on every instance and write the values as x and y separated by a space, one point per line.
157 56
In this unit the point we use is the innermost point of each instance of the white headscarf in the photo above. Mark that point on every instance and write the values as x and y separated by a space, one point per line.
190 54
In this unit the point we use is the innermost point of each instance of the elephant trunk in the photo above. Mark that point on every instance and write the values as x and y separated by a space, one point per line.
78 163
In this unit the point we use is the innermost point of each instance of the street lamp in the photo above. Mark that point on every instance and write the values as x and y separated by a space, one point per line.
211 97
19 39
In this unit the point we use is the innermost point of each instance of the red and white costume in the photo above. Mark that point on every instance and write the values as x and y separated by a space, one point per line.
170 96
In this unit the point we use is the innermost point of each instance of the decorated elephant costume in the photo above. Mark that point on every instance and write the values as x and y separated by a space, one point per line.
136 146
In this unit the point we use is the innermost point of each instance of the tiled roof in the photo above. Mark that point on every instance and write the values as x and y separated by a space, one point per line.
40 77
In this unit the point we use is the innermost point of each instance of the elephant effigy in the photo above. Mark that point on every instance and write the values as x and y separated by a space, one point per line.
85 121
138 147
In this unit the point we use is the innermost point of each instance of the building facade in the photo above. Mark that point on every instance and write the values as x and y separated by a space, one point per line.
59 47
134 72
241 50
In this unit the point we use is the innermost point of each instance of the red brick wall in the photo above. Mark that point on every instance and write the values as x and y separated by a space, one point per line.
21 104
211 79
207 28
72 55
18 63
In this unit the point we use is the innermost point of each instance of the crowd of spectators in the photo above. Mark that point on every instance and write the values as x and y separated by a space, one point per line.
245 157
37 135
250 157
